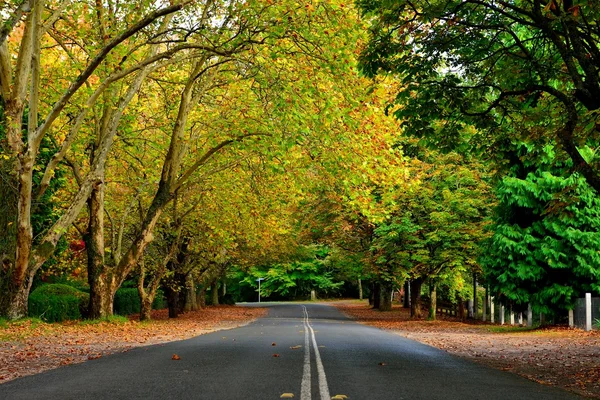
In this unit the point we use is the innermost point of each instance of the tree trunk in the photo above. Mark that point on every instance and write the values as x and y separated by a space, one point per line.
214 291
475 297
172 301
371 294
385 303
376 295
415 297
190 294
201 297
406 294
461 308
433 301
94 244
17 301
360 289
146 309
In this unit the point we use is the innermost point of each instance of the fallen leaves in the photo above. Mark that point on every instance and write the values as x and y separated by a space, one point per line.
175 357
296 347
275 355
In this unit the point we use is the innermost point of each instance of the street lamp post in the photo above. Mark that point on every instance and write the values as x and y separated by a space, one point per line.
258 280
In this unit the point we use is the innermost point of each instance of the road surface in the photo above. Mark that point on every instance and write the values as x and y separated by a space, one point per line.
308 351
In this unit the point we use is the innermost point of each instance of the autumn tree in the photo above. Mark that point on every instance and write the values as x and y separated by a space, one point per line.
26 83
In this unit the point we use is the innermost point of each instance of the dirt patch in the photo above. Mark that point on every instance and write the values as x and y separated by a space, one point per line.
557 356
29 347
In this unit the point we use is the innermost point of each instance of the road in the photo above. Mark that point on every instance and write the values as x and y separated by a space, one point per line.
309 351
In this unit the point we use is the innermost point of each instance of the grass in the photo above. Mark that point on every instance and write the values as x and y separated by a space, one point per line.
113 319
18 329
509 328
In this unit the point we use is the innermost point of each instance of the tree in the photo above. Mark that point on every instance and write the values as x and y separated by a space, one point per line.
545 244
21 53
435 225
517 69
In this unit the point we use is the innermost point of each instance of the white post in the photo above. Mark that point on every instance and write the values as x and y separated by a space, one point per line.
492 310
313 295
502 315
588 311
529 315
571 319
520 318
512 316
470 307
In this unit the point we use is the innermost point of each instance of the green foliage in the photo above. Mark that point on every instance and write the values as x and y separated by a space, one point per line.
518 69
433 228
545 249
57 302
295 279
127 301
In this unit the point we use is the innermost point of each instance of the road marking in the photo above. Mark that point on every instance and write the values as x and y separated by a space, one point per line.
323 387
305 387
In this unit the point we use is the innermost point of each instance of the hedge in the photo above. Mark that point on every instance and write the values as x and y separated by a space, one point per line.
127 301
58 302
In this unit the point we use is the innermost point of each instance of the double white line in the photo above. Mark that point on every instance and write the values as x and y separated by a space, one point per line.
305 392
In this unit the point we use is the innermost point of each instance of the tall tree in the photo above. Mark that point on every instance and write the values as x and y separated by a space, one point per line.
524 68
21 76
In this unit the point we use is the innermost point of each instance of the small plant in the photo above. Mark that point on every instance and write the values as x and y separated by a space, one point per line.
597 323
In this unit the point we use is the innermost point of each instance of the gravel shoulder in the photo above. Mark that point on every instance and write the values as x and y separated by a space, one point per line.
29 347
556 356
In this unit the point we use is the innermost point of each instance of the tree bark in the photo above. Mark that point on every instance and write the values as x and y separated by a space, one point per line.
360 289
461 308
146 309
406 303
376 295
190 294
415 297
214 291
201 297
385 302
475 297
433 301
94 242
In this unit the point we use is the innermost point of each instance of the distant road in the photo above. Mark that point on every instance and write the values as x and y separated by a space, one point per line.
308 351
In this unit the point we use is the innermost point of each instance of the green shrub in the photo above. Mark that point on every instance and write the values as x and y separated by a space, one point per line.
57 302
127 301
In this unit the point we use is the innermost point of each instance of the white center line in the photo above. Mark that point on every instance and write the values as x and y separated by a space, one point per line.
305 388
323 387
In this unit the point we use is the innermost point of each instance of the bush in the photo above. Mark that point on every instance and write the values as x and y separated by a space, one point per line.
127 301
57 302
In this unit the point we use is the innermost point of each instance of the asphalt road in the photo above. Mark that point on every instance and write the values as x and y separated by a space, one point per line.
321 354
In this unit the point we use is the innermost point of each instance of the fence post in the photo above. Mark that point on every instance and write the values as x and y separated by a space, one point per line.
520 318
588 311
529 315
502 315
512 316
571 319
492 310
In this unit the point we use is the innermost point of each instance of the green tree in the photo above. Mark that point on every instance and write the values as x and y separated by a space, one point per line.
435 226
523 68
546 235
